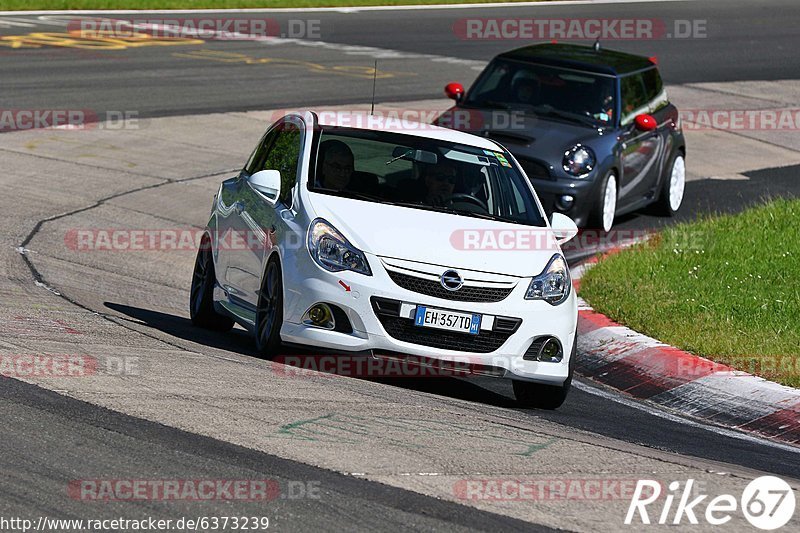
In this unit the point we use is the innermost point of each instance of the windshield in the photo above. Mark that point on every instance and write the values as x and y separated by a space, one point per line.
422 173
538 89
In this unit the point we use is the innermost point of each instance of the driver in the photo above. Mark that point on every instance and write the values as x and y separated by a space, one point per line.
606 104
336 164
440 181
525 88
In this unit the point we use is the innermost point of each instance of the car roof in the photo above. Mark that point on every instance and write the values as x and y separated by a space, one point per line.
392 123
580 57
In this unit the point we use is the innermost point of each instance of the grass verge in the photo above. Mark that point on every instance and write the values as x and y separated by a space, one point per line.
724 287
35 5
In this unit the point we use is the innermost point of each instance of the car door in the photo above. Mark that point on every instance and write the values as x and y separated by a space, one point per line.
231 235
641 150
258 220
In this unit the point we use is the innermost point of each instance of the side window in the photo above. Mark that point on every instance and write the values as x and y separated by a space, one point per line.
282 153
634 97
279 150
257 158
656 95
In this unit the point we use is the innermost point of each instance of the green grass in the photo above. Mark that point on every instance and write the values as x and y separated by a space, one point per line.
724 287
210 4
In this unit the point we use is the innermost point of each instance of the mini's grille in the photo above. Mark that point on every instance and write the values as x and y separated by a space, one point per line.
535 170
464 294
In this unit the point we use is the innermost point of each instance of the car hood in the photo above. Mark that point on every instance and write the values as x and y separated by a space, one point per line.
438 238
537 136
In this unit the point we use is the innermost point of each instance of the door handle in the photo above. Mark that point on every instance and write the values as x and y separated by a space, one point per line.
272 229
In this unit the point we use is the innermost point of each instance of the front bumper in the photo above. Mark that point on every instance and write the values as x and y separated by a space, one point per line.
582 190
376 333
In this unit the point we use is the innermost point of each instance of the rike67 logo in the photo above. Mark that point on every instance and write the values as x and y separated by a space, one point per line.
767 502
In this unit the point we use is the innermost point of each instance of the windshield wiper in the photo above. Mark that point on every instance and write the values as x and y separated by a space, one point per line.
401 156
351 194
490 103
442 209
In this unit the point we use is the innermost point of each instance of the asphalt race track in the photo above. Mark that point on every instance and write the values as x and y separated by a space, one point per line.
744 41
383 454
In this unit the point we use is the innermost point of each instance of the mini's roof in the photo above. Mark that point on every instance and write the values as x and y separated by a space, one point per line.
580 57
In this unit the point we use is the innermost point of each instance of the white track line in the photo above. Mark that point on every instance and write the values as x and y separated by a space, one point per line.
352 9
660 413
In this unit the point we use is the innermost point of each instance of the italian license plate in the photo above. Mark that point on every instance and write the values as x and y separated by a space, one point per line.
427 317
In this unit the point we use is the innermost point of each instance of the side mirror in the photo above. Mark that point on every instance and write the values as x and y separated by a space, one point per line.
454 91
268 183
645 122
563 227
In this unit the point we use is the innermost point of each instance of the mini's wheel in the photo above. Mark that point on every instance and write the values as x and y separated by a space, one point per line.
605 209
671 197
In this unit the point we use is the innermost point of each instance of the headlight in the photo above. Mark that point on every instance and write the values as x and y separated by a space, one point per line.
332 251
579 160
552 285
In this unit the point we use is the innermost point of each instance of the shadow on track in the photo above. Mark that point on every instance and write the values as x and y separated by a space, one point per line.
239 341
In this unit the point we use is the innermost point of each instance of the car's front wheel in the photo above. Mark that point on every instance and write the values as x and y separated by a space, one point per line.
671 197
269 314
605 208
201 297
537 396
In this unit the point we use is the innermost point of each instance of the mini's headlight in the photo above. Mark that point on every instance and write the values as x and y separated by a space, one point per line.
333 252
552 285
579 160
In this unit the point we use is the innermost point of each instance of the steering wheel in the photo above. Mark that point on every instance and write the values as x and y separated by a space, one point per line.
468 198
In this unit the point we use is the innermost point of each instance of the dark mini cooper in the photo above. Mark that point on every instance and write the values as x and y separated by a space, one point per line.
592 128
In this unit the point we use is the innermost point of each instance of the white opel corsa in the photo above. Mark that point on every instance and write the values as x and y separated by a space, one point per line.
392 242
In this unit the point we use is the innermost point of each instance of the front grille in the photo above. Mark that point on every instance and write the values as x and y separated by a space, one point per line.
532 353
534 169
403 329
464 294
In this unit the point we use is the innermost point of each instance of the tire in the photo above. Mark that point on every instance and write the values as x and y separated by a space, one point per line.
531 395
672 190
201 298
269 314
605 208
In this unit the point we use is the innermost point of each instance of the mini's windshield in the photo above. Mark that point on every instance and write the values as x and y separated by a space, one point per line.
539 89
422 173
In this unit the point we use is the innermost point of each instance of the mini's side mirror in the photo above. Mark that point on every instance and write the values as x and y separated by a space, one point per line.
645 122
563 227
454 91
268 183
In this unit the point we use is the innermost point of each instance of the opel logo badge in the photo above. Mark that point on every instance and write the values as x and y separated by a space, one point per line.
451 280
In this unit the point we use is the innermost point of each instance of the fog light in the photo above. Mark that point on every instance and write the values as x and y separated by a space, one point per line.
550 352
565 202
321 316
